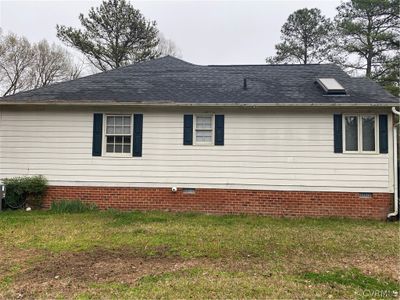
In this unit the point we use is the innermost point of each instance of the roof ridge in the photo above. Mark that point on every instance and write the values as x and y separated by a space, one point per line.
273 65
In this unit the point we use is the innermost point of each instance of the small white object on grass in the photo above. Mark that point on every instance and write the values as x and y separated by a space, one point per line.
28 209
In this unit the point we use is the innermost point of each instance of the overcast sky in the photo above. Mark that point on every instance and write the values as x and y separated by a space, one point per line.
207 32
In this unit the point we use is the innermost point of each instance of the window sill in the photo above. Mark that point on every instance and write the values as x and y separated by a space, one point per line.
203 145
362 153
110 155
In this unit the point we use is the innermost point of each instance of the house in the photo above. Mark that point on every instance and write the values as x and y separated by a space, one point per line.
286 140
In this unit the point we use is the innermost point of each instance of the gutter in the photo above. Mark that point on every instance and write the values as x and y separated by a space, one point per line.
395 212
182 104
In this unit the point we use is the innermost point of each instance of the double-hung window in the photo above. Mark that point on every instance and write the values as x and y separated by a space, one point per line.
360 133
118 133
203 129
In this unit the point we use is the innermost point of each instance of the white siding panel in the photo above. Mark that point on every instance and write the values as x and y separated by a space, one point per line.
267 150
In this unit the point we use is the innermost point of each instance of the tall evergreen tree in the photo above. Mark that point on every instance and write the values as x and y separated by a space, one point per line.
114 34
389 76
369 35
305 38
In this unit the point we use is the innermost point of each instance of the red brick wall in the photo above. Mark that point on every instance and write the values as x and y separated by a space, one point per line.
230 201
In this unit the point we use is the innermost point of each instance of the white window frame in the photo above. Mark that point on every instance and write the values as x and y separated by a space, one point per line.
104 146
359 133
197 143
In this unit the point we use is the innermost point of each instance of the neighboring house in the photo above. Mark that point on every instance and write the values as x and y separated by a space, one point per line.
287 140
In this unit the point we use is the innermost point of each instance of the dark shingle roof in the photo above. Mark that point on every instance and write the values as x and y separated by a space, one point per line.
170 80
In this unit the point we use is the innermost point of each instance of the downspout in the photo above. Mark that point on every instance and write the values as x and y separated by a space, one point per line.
395 164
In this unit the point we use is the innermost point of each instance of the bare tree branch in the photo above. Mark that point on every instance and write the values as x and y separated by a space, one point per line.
24 66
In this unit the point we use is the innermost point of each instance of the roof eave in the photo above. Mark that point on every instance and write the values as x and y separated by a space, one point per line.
171 103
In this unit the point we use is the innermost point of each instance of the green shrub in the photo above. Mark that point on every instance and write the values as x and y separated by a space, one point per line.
25 189
72 206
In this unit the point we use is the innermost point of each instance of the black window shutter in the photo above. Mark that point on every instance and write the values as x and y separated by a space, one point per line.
137 134
219 130
97 134
188 129
383 134
338 133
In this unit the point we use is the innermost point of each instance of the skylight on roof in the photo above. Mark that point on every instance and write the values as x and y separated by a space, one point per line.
331 86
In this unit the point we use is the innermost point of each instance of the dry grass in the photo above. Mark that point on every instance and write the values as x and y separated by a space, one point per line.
163 255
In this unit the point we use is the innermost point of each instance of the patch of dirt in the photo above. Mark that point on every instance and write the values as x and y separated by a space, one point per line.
71 272
12 259
16 254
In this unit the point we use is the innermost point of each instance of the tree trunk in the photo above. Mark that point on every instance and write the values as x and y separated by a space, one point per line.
305 50
369 66
369 48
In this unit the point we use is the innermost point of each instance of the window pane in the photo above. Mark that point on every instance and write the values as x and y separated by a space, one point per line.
127 148
368 133
110 121
203 122
118 148
203 136
127 139
127 130
110 130
110 148
118 130
127 120
110 139
351 129
118 139
118 120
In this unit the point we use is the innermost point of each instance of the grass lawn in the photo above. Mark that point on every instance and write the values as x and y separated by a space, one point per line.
163 255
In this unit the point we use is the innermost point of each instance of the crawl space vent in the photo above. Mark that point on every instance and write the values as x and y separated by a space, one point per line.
189 191
365 195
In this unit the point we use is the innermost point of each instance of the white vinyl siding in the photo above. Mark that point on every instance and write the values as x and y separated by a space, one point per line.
269 149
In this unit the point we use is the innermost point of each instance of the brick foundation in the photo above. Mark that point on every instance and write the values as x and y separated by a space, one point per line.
230 201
